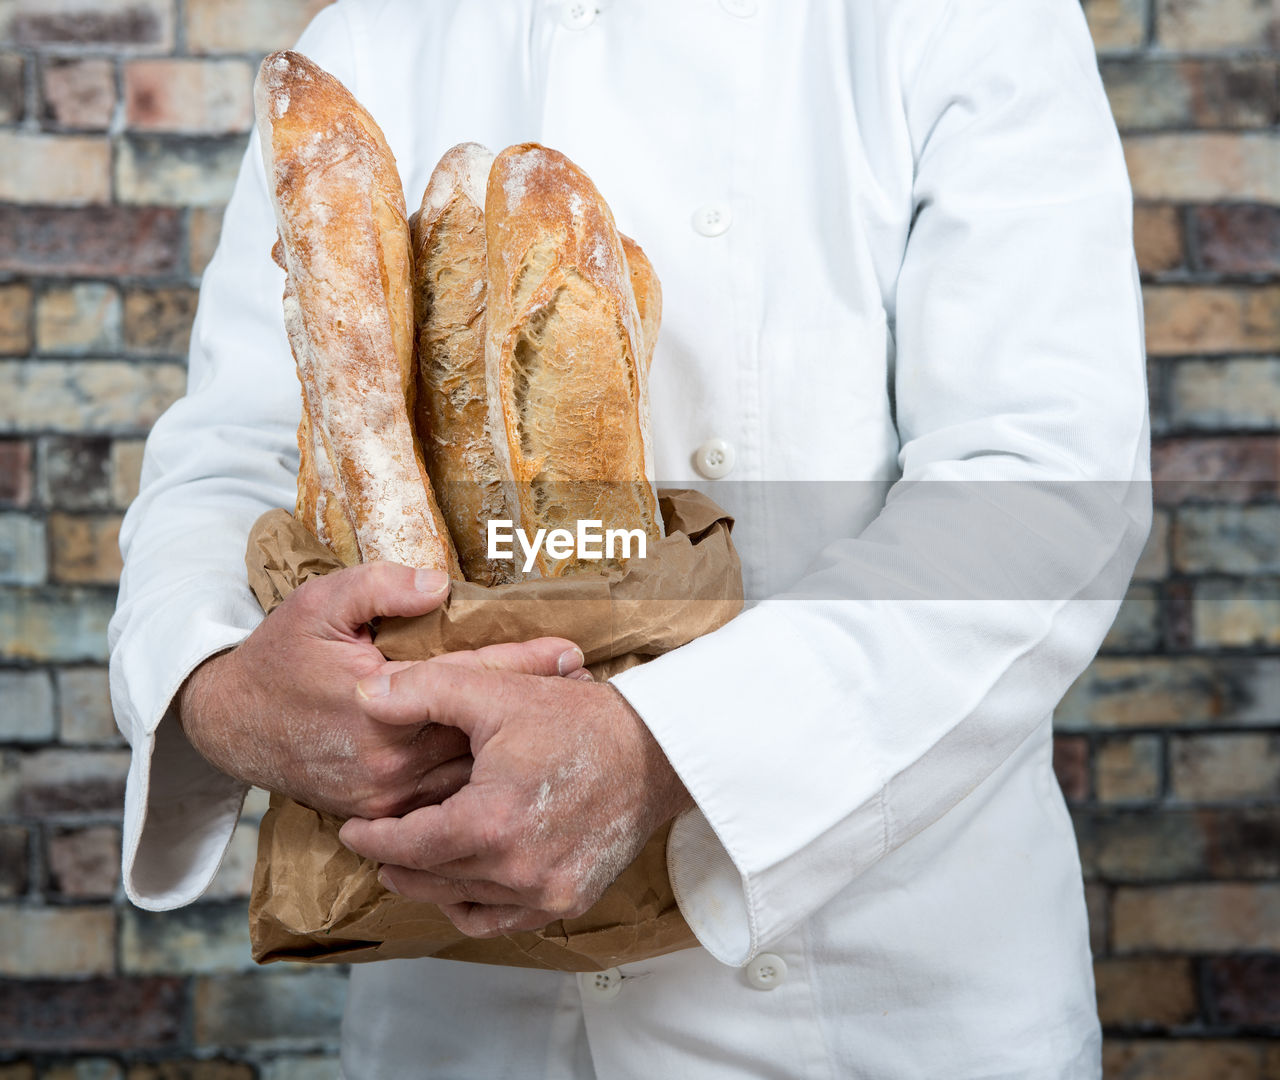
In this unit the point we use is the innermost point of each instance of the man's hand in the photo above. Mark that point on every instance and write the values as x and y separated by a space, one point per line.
282 711
566 787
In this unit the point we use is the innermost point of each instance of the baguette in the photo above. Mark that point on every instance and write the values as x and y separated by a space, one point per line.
567 379
345 241
648 294
449 294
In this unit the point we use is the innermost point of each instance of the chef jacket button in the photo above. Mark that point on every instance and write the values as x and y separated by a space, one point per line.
577 14
714 458
744 9
767 971
601 985
712 219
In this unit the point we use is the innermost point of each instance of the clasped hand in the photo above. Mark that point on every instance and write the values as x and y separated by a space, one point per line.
485 784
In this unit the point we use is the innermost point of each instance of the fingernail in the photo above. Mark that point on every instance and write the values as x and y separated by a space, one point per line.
583 675
375 686
570 660
385 882
431 582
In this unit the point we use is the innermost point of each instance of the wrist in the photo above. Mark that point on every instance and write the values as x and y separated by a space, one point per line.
664 792
197 704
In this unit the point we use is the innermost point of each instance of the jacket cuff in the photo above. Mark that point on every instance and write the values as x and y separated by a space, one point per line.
742 877
179 810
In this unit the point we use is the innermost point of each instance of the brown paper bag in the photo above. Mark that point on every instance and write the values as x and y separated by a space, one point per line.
317 902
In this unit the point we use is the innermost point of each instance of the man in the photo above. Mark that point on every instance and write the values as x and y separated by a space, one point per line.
902 343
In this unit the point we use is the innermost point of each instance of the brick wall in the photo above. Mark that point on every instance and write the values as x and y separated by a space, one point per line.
121 126
1169 746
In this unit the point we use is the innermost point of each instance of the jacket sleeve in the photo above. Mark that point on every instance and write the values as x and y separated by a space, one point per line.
913 659
214 462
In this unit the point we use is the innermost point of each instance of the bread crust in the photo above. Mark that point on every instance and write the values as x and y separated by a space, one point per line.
568 387
341 216
648 293
449 298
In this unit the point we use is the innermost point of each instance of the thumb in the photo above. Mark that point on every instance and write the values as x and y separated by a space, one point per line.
351 597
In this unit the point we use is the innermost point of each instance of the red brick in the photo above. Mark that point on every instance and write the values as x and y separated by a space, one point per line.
84 864
38 941
75 472
1144 991
1216 469
205 229
1197 319
1237 239
192 1070
1128 769
66 624
1219 917
194 96
71 782
108 240
93 395
1235 393
1097 901
15 472
78 93
1186 1059
126 470
1244 990
1225 768
1157 238
1201 25
172 170
15 319
157 322
246 26
92 1014
1204 166
58 170
1071 765
1117 25
85 549
126 23
1151 94
1235 614
13 93
1159 691
13 861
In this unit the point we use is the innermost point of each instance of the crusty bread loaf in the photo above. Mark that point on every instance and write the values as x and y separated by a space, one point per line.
568 393
648 294
341 216
449 294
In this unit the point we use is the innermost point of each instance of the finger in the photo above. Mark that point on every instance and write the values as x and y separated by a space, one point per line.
541 656
432 888
442 782
468 698
351 597
493 920
422 839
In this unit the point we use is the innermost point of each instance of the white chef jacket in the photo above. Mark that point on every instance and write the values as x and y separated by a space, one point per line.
894 238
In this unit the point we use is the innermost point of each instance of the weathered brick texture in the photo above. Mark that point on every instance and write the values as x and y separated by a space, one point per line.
122 126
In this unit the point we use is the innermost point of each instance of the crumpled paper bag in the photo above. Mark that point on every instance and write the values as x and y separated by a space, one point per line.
315 901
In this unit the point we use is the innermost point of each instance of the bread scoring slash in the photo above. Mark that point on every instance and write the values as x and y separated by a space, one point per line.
344 242
566 353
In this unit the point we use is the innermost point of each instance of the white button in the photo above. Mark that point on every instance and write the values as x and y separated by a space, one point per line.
744 9
601 985
714 458
712 219
577 14
767 971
